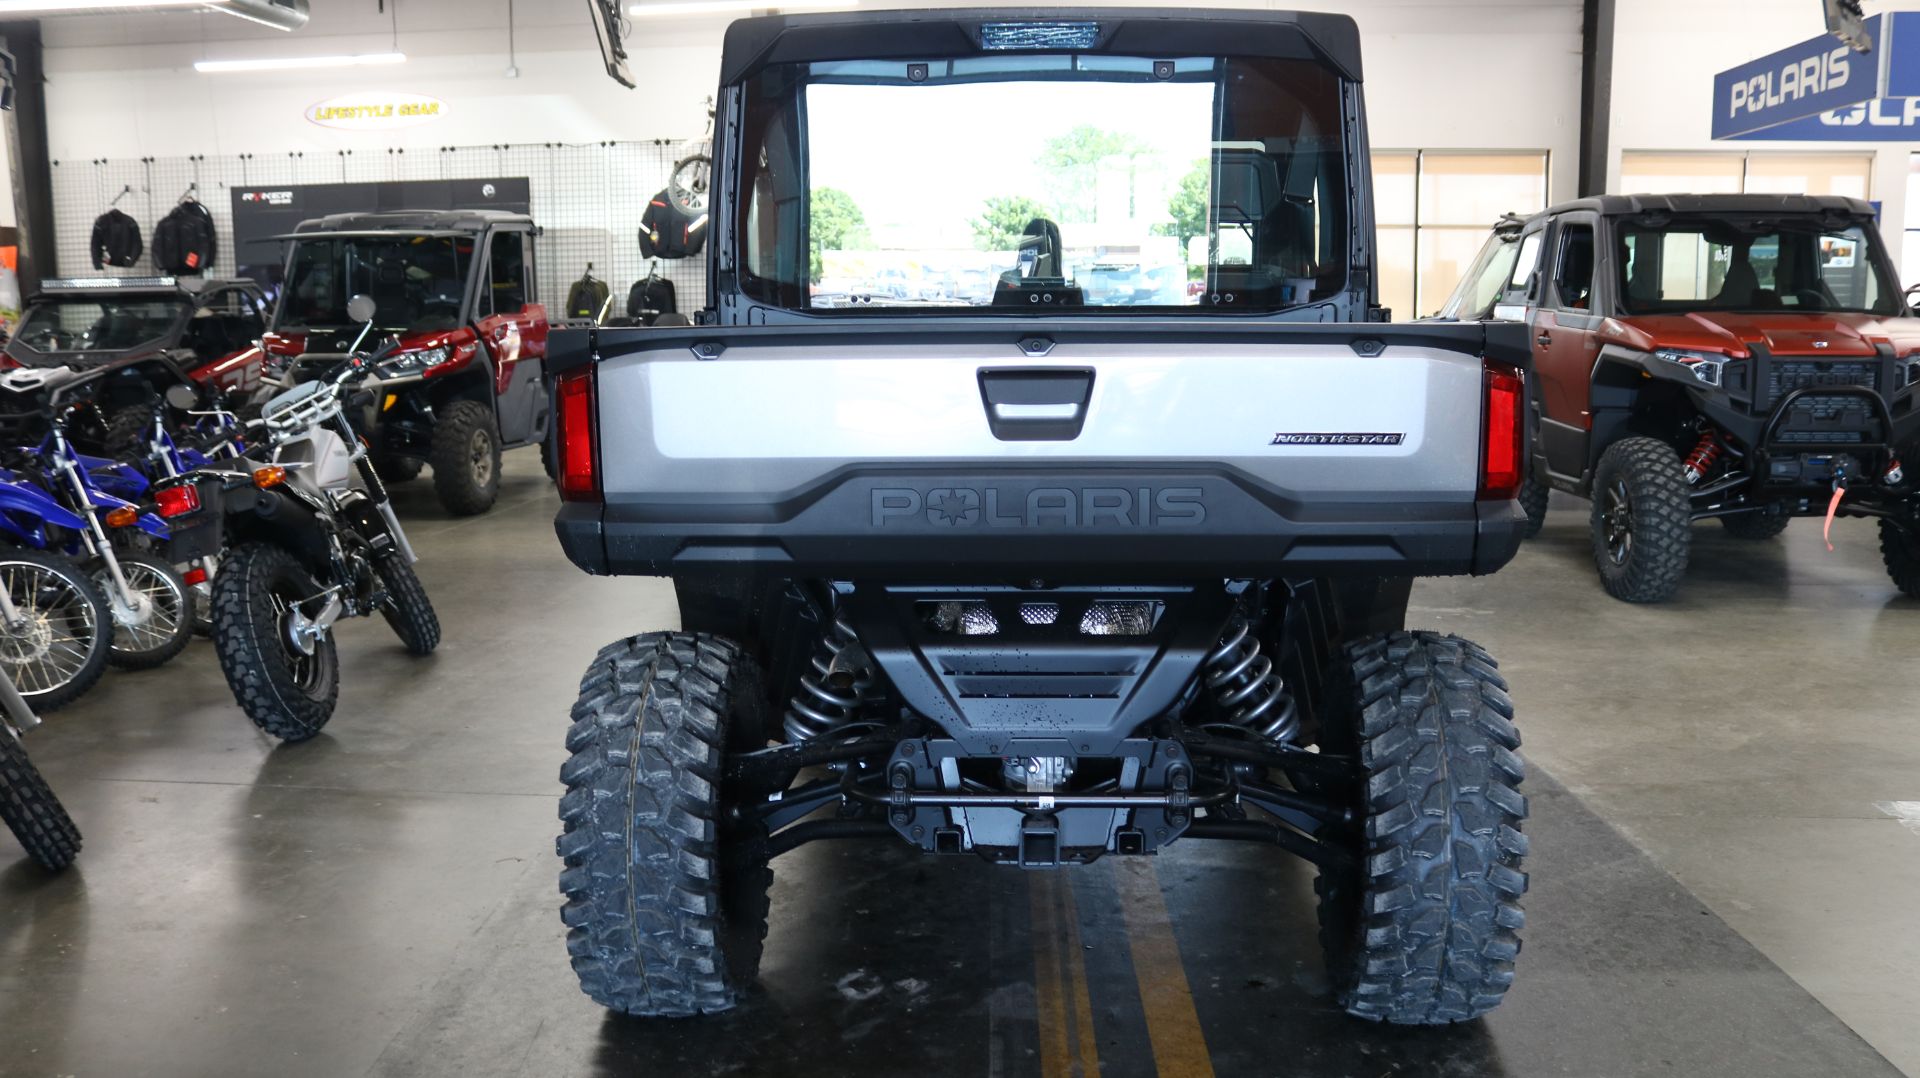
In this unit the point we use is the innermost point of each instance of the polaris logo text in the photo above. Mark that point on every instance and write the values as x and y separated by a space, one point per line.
1338 439
1042 507
1802 78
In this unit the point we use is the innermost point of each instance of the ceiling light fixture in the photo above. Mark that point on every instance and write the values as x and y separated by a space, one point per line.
285 63
82 7
711 7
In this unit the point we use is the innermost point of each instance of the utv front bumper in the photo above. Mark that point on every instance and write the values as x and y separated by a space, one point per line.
993 522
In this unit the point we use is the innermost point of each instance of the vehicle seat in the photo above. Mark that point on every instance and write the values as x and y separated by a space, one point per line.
1741 285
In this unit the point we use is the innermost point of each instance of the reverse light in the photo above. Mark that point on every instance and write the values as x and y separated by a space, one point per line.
1707 367
1503 454
579 473
178 501
124 517
269 477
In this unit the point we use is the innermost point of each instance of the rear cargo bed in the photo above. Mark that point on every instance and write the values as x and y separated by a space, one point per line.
1082 449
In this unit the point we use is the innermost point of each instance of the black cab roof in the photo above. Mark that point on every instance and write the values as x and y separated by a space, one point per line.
452 222
1635 205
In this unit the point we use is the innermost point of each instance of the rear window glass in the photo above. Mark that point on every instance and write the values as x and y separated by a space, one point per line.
1046 182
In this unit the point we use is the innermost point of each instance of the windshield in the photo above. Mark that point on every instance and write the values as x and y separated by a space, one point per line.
95 324
1045 181
417 282
1752 264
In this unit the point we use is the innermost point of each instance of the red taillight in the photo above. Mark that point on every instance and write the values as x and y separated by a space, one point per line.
177 501
1503 453
194 577
579 477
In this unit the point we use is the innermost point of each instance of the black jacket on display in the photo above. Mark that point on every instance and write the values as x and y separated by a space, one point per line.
649 298
667 233
116 240
587 297
183 241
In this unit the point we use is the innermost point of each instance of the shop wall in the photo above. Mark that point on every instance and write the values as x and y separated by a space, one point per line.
1665 57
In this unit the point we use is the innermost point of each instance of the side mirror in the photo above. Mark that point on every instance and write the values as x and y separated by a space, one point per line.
361 308
1913 295
182 398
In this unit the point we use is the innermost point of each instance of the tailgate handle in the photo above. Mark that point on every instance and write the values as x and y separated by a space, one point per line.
1036 404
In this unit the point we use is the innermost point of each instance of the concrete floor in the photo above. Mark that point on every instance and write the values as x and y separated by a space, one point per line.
1713 881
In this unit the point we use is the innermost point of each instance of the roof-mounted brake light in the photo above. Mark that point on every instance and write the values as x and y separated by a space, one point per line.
1002 36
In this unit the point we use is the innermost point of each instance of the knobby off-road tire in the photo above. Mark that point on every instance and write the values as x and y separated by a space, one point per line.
30 810
407 608
466 459
60 650
1900 549
1533 499
666 897
168 626
1765 524
287 694
1424 929
127 431
1642 521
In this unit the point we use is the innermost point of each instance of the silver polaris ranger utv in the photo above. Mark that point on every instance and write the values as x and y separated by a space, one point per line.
1073 572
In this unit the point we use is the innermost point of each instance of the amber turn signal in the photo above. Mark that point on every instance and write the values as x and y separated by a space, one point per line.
123 517
270 476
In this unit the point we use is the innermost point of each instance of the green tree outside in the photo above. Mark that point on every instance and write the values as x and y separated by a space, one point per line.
1073 162
835 223
1003 220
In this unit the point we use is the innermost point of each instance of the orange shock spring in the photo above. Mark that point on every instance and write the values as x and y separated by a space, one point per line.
1702 459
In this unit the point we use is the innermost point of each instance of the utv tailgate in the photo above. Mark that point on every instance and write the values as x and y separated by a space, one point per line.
1053 450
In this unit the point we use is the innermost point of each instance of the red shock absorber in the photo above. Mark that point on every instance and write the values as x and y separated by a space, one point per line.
1702 459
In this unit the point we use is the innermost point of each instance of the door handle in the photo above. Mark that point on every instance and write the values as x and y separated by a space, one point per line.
1544 340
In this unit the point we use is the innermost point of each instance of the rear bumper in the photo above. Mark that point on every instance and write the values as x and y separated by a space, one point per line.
1053 524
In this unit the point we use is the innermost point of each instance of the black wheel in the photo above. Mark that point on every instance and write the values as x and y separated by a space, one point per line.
407 608
1533 499
1900 549
54 642
285 676
1642 520
466 459
1423 927
547 462
666 899
127 431
1765 524
398 469
30 810
153 622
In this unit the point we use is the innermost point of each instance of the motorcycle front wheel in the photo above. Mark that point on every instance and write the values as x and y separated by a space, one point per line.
30 810
55 646
284 674
153 622
407 608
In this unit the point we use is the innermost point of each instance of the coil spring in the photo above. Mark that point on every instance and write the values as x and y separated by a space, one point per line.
828 699
1245 687
1703 456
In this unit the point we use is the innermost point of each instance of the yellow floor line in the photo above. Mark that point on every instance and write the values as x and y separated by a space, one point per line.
1088 1056
1173 1026
1049 998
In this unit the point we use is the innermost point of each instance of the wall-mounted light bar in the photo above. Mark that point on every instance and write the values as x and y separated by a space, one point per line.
288 63
666 8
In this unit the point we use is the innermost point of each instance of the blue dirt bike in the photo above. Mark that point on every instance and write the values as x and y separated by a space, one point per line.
69 503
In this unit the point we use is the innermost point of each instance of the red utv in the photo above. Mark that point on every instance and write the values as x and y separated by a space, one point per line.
1745 357
120 342
457 288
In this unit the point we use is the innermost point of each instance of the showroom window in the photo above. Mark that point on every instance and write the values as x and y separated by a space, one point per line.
1434 209
1910 254
1843 174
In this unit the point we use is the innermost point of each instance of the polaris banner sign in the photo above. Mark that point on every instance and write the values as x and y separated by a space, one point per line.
1805 80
